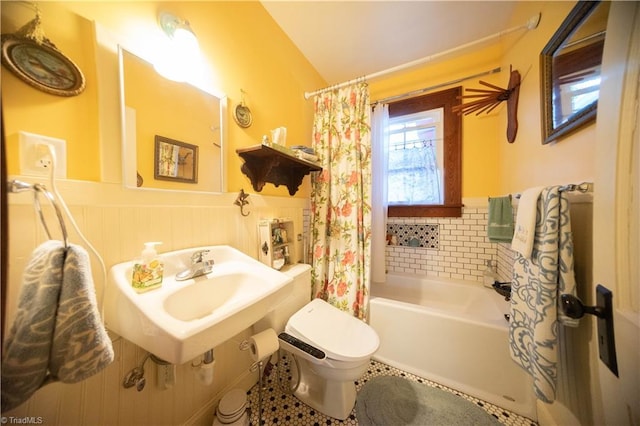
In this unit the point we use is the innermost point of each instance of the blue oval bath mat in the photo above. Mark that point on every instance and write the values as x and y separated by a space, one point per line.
391 400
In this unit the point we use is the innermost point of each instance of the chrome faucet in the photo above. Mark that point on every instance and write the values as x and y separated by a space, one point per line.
199 266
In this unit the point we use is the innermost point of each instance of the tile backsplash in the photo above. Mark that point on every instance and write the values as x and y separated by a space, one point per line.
462 247
449 247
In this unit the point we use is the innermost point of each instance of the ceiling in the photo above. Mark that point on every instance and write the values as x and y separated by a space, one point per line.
344 40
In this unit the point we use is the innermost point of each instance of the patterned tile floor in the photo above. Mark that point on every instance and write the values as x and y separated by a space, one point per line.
282 408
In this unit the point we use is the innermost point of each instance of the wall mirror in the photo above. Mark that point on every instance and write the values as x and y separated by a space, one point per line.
179 112
570 70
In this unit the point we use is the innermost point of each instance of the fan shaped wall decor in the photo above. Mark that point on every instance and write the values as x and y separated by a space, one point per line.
487 100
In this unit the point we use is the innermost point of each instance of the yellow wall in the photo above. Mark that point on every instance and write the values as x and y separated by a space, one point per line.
74 119
481 134
274 76
491 165
243 49
527 162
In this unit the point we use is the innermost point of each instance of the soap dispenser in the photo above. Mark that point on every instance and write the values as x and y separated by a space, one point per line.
148 270
490 275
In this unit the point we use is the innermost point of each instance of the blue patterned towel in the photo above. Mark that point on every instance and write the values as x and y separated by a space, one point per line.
537 285
57 334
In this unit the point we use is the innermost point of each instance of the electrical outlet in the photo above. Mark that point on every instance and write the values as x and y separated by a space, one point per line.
44 162
35 157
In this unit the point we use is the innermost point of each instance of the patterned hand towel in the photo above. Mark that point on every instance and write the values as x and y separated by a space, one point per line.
500 224
537 285
525 227
57 333
81 346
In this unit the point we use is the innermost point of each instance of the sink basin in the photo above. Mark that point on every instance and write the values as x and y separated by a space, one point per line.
183 319
205 296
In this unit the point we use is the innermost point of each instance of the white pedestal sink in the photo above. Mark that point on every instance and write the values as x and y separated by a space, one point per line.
183 319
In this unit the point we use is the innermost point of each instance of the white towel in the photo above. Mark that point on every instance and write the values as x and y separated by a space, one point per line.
525 226
57 334
535 293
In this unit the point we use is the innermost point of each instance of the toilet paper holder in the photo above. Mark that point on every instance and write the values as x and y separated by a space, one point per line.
244 345
262 345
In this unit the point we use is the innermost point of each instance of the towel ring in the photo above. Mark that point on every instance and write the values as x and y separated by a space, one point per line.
40 188
18 186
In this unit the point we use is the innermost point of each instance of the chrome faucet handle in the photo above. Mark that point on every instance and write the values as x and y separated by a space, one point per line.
197 256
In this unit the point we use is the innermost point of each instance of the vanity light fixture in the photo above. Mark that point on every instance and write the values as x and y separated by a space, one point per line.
179 31
182 55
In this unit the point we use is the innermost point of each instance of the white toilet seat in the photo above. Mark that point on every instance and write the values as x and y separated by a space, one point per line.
341 336
327 383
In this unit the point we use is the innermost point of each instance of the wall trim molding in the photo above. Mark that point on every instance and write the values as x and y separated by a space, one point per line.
76 192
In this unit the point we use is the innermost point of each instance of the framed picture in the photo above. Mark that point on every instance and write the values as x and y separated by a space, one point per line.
175 160
42 66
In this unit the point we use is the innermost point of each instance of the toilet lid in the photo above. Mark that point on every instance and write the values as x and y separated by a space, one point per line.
340 335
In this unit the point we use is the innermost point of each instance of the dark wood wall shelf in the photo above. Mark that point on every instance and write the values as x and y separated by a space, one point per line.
264 164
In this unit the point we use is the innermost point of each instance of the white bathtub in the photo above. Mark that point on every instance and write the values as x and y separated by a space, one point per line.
453 333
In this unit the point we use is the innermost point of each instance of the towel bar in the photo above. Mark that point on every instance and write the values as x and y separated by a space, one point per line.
581 187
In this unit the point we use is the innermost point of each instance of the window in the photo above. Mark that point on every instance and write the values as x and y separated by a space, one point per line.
425 161
415 158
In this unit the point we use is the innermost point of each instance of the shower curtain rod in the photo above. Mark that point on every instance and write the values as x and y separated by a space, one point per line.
435 86
531 24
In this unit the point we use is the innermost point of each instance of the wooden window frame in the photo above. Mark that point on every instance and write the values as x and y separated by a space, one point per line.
452 155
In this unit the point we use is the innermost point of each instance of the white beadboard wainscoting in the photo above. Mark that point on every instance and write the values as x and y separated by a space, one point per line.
117 222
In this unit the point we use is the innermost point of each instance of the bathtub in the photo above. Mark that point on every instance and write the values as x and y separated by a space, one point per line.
451 332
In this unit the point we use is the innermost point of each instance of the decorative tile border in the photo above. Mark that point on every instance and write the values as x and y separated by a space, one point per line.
416 235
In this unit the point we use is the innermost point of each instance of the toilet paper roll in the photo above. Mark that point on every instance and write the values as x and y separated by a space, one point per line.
263 344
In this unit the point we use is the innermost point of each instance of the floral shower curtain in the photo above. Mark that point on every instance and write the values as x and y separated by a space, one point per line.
341 199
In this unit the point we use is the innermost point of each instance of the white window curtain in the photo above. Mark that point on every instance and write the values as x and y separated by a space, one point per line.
379 167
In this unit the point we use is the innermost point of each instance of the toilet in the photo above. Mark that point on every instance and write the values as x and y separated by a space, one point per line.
335 351
331 348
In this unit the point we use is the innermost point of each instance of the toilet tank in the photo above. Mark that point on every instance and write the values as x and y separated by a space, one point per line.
300 295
